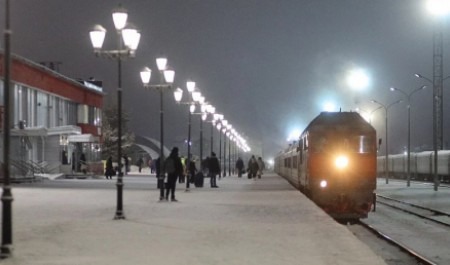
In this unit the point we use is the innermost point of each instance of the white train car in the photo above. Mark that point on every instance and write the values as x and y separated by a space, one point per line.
421 165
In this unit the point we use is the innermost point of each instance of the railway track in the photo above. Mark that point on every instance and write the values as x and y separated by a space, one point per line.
421 232
416 210
405 249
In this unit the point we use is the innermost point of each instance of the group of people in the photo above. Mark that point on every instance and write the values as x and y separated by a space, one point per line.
176 169
111 171
255 167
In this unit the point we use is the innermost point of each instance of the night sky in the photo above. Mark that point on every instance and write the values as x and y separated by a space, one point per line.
267 65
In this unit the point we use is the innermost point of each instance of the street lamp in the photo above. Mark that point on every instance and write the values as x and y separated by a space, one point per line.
128 37
386 108
178 94
408 98
437 133
166 79
212 111
200 100
224 130
219 128
229 127
368 114
358 79
7 197
439 9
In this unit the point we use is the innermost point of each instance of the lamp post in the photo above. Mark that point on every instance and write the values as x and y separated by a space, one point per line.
439 9
408 98
368 115
435 130
129 37
229 127
178 94
166 79
213 125
386 108
219 128
224 130
7 197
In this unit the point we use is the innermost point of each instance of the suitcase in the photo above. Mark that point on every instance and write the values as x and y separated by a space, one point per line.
199 179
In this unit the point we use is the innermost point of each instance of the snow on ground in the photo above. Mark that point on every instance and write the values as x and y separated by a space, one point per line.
243 222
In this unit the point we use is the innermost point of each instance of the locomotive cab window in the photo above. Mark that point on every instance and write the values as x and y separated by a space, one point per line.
363 144
356 144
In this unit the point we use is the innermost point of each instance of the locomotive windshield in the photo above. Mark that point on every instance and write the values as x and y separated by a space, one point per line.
355 144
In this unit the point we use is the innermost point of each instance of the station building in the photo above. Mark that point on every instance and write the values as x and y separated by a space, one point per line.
56 120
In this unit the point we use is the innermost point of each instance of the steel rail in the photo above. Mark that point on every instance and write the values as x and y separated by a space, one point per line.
421 259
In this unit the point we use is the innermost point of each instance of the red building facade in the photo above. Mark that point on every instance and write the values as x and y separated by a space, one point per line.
56 119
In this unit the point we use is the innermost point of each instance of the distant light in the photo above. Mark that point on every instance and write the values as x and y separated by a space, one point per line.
323 184
329 107
294 135
358 79
438 7
271 162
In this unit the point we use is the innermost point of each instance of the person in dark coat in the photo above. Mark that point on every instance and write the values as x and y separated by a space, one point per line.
109 170
192 171
83 165
159 177
252 167
65 160
239 166
140 163
214 169
172 174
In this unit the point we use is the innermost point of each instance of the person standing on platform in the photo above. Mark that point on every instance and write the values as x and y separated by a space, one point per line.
159 177
182 176
140 163
174 169
252 167
192 170
239 166
83 165
261 167
126 163
109 169
214 169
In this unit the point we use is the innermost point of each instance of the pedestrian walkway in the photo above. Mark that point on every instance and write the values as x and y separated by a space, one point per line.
262 222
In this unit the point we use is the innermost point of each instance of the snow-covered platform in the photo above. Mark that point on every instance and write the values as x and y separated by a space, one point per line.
243 222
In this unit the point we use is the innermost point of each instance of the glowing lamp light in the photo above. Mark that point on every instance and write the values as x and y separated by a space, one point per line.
120 17
341 162
329 107
131 36
178 94
190 86
97 36
438 7
358 79
294 135
169 76
146 74
323 184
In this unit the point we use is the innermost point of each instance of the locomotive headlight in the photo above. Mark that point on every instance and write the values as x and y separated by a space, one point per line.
341 162
323 184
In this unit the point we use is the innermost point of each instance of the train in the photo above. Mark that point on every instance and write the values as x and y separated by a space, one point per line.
334 163
421 166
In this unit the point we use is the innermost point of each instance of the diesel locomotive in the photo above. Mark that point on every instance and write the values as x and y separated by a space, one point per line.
334 163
